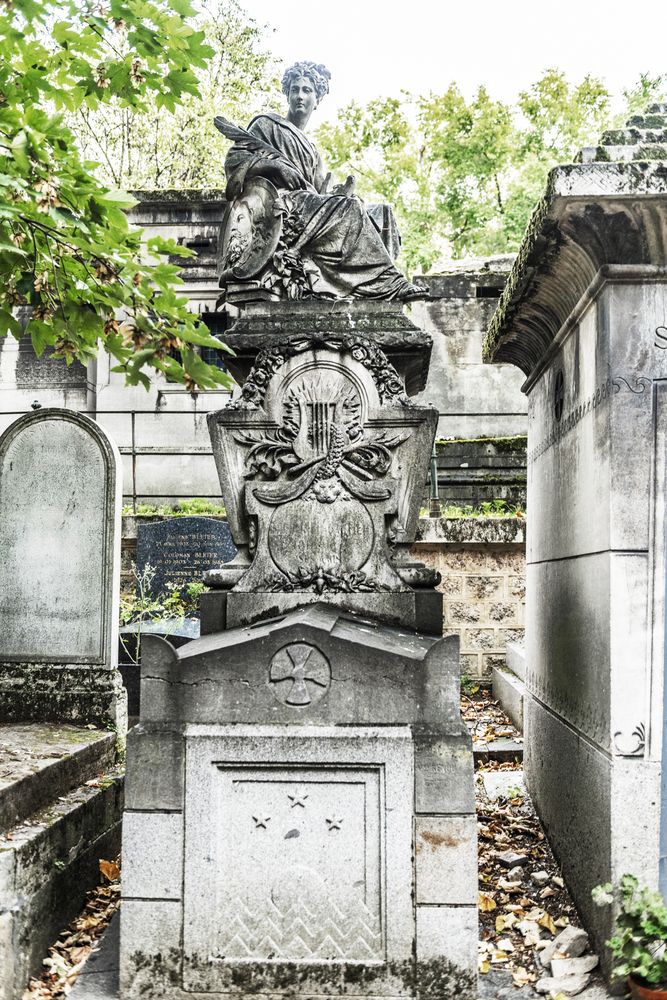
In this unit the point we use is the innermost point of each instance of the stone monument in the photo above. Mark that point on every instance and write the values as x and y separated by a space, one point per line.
584 316
60 500
302 770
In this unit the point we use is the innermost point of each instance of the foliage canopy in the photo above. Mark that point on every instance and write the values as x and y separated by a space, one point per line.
465 175
67 252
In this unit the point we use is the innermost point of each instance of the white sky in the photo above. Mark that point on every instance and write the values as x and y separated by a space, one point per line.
378 49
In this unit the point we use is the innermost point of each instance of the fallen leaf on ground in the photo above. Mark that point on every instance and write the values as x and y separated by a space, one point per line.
110 870
547 921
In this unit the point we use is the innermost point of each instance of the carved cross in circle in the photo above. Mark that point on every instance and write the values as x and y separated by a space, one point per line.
299 674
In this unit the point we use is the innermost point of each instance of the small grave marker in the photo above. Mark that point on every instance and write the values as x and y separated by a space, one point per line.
181 549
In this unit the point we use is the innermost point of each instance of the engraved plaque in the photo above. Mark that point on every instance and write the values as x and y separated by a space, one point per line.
297 869
299 857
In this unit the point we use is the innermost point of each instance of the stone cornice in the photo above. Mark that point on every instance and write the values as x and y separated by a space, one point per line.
592 215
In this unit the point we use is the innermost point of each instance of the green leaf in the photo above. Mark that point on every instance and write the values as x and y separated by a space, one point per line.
19 150
118 197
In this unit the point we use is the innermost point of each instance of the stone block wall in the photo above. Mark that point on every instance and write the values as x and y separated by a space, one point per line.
474 470
483 566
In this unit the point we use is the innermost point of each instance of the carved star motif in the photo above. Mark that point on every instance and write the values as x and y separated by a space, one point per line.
261 822
334 823
298 799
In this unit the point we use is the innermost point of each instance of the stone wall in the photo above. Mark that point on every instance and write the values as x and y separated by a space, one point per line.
473 399
474 470
483 566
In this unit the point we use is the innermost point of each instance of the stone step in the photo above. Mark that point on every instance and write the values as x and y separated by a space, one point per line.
501 750
622 154
47 864
41 761
635 136
657 109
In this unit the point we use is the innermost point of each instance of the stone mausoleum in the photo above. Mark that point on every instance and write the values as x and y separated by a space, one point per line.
584 316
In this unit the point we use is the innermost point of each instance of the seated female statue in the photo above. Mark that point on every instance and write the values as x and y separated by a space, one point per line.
324 243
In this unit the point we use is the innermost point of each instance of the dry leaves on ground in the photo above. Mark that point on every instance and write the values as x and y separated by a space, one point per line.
485 719
518 915
68 955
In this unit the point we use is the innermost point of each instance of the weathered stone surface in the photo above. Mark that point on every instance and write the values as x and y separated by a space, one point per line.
46 868
420 610
474 400
298 834
60 497
419 674
40 762
445 859
180 550
570 943
577 966
583 315
443 774
593 217
516 659
262 325
568 986
322 465
509 691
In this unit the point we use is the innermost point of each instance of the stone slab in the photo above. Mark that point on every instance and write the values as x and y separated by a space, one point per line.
502 750
261 324
49 521
450 933
446 860
314 860
509 691
181 549
420 610
515 657
152 874
499 784
443 774
154 772
39 762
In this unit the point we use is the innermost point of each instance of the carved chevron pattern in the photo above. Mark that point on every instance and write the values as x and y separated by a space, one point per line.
347 932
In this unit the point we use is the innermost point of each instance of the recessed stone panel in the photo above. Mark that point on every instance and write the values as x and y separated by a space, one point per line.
300 853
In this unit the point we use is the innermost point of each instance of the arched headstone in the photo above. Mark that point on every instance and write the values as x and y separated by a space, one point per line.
60 506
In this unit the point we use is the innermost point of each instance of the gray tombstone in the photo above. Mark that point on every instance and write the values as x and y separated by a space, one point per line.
60 502
182 549
306 786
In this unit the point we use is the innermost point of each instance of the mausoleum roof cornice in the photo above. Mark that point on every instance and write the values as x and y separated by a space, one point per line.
593 215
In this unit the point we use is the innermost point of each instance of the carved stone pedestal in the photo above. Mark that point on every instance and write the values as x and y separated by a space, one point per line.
301 772
300 816
323 460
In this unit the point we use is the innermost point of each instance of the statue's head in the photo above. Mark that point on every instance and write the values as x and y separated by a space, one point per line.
318 75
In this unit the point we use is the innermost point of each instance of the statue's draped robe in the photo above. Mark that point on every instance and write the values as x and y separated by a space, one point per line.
335 232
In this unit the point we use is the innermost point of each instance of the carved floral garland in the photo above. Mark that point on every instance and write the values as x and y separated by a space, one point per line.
387 380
